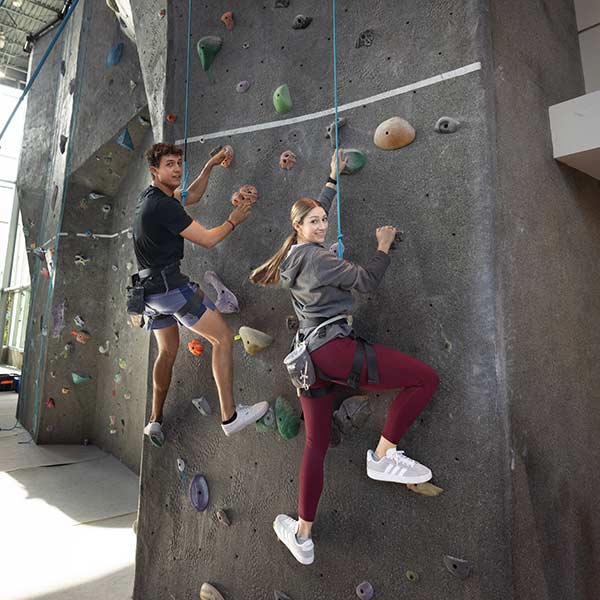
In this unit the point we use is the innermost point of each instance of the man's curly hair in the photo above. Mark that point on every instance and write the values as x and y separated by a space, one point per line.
156 152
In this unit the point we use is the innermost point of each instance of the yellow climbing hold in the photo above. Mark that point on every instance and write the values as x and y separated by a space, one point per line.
425 489
254 340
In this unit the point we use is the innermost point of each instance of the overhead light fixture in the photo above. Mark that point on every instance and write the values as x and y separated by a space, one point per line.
2 42
28 45
2 73
17 3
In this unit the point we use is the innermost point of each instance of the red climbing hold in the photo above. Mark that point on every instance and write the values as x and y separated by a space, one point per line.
227 20
50 403
171 118
162 13
196 347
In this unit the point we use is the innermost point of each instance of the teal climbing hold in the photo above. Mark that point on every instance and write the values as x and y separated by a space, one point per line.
266 422
115 55
125 141
282 100
356 161
288 421
208 48
77 378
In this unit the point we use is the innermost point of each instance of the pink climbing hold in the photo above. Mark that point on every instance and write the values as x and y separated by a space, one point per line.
287 160
227 20
50 403
365 591
242 87
247 194
227 302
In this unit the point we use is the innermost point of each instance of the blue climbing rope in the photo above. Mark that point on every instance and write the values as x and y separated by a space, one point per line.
40 65
340 237
184 182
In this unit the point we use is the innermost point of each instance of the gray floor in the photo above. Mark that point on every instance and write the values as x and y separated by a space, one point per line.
66 516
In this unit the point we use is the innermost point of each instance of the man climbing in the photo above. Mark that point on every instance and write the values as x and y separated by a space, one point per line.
170 298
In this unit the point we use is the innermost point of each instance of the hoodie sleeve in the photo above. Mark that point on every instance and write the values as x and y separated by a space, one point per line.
326 197
328 269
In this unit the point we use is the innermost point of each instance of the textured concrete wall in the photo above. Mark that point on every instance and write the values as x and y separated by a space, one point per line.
437 303
549 242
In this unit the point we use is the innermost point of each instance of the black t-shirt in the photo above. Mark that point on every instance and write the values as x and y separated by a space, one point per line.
158 221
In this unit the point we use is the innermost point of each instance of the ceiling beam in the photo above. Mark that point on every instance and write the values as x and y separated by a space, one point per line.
19 13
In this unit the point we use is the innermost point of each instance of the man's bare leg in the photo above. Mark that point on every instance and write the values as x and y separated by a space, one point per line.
168 344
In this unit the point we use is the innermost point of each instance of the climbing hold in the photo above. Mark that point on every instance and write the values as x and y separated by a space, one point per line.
95 196
181 465
229 155
287 160
267 421
88 233
458 567
246 194
50 403
199 495
106 208
78 320
143 121
254 340
209 592
72 84
58 318
125 141
446 125
78 378
129 265
227 20
282 100
246 45
222 517
280 595
242 87
65 391
365 38
127 396
208 48
162 13
227 302
301 22
68 349
353 413
171 117
412 575
202 405
196 347
393 134
112 424
115 267
117 377
288 421
115 55
39 253
122 363
63 143
282 3
81 260
342 121
425 489
53 374
83 337
365 590
63 67
291 322
356 161
104 349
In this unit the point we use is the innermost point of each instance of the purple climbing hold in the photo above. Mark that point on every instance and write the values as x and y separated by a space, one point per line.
226 302
365 590
58 317
125 141
242 87
199 493
115 55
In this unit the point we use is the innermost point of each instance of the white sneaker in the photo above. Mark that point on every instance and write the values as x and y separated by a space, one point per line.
154 432
246 415
286 529
396 467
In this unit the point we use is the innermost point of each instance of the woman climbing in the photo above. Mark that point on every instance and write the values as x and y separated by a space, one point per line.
321 287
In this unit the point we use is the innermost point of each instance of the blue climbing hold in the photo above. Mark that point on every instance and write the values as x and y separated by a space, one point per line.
115 55
125 141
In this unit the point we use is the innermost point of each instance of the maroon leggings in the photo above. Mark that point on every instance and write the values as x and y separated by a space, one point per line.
396 370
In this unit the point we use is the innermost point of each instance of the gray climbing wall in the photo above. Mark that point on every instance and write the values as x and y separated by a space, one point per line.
437 303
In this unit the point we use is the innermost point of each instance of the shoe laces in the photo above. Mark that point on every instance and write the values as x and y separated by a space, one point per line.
400 458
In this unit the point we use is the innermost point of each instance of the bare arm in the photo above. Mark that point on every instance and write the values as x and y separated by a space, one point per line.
207 238
198 187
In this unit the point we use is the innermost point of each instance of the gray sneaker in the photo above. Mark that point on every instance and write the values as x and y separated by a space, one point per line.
286 528
396 467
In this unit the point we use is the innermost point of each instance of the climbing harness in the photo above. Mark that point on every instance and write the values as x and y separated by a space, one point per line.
184 182
340 236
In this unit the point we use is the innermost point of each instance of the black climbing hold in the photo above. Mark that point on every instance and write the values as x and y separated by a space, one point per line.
352 414
457 566
399 237
199 495
365 590
115 54
63 143
365 38
291 322
301 22
63 67
72 86
342 121
447 125
282 3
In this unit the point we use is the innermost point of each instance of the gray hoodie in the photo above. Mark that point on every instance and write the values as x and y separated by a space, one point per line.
321 284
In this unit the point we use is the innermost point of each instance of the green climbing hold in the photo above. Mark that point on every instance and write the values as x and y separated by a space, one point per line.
267 421
208 48
77 378
282 101
288 422
356 161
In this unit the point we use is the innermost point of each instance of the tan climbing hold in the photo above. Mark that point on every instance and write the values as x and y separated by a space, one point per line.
229 155
227 20
425 489
393 134
254 340
210 592
287 160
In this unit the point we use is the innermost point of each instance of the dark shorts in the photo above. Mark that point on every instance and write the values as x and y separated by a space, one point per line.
161 308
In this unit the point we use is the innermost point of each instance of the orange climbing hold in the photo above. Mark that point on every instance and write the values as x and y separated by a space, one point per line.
83 337
171 118
196 347
393 134
227 20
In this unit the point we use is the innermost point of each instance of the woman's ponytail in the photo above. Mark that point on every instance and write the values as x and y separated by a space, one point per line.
268 272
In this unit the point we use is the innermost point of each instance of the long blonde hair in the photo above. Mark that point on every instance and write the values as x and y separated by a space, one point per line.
268 272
